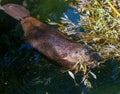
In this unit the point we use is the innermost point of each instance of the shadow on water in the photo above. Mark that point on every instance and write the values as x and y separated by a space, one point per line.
25 71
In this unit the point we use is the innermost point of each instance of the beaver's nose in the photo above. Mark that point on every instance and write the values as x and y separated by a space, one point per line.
95 57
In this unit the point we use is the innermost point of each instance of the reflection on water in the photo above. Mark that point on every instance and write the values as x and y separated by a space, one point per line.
111 89
25 71
72 15
108 81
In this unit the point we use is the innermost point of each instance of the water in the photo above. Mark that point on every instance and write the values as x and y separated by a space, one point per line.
25 71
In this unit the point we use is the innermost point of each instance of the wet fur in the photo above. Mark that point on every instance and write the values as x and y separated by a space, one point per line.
50 42
54 44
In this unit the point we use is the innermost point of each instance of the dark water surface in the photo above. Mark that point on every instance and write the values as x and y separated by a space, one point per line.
25 71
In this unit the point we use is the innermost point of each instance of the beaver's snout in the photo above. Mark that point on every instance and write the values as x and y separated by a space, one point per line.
95 58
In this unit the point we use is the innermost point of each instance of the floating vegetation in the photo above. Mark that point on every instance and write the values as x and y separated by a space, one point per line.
101 22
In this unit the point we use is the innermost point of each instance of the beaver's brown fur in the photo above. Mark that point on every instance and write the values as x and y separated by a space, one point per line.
51 42
54 44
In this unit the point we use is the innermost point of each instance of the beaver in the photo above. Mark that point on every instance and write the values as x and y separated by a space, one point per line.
50 42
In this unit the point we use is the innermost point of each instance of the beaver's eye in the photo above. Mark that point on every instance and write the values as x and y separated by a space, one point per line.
76 52
86 53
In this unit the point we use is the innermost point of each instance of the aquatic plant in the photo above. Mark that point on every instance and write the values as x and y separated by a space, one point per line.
101 22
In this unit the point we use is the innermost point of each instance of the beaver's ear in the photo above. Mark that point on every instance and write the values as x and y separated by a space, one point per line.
18 12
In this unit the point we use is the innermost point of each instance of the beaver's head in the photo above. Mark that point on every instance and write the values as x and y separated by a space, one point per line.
92 58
